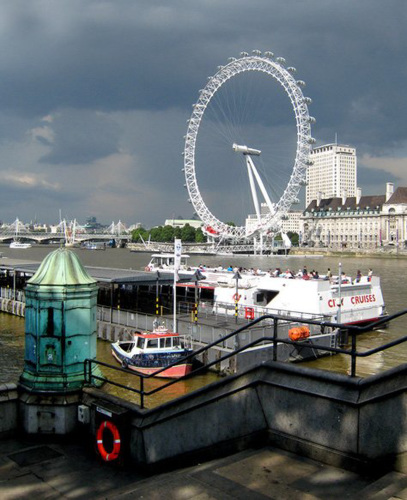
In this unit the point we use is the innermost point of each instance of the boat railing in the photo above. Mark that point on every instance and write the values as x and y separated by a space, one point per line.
348 349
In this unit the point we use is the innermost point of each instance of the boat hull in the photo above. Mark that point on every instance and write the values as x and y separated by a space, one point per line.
150 365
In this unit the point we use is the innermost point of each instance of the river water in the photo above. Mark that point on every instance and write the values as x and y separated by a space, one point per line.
391 270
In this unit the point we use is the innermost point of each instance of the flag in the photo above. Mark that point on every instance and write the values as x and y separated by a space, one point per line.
177 258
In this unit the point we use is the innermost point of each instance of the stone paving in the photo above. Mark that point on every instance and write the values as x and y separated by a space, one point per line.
72 471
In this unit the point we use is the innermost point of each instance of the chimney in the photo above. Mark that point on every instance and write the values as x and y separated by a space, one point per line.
358 195
319 198
389 190
344 196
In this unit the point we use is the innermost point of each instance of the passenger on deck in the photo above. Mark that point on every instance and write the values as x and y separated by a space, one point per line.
358 276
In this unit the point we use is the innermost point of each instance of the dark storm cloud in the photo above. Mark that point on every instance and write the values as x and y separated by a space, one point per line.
80 137
119 77
377 178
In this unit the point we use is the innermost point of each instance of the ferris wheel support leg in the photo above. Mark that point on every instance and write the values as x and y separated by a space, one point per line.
249 164
261 185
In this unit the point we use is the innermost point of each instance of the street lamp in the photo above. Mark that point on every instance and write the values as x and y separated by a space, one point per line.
237 277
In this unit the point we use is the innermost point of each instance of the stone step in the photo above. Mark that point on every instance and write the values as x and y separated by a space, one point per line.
393 485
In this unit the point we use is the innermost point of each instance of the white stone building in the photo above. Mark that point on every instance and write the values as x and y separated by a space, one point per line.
182 222
365 222
332 173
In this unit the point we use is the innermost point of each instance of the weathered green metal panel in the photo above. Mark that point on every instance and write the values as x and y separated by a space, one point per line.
61 305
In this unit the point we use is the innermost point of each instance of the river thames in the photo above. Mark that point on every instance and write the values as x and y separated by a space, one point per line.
391 270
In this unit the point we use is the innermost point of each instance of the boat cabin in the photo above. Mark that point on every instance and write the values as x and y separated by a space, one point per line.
166 261
148 342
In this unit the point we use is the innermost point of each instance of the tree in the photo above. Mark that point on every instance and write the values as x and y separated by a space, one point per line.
135 235
294 237
200 237
187 233
156 233
167 234
177 233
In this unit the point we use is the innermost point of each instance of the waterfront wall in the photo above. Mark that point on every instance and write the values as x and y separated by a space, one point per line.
348 422
8 409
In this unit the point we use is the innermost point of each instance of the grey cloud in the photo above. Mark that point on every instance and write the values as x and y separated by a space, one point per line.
80 136
120 76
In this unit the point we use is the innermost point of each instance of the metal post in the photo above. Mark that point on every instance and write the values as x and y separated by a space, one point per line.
196 302
353 356
198 276
275 332
237 277
157 301
338 316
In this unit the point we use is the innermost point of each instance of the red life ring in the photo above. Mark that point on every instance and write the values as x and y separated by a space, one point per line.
236 297
112 455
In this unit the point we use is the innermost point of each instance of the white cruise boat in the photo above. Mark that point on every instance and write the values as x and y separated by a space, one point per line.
348 303
20 245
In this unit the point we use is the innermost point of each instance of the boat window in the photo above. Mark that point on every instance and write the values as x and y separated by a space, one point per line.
177 342
152 344
126 346
168 342
264 297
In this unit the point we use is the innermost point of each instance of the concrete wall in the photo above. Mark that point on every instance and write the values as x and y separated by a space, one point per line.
334 418
8 409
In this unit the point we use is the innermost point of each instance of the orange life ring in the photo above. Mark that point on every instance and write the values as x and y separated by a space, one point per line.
236 297
112 455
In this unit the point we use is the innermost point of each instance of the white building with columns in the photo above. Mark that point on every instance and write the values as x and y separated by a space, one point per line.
365 222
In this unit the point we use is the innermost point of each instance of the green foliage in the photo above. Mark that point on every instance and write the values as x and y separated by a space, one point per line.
187 233
167 234
199 236
135 235
294 237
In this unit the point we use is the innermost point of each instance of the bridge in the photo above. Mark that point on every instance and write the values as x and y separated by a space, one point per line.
70 232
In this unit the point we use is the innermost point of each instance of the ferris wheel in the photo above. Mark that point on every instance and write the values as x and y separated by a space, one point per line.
269 222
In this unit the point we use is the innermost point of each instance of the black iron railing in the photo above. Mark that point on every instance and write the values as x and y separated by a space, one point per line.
352 331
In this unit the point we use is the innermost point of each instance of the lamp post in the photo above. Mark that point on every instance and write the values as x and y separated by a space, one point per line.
237 277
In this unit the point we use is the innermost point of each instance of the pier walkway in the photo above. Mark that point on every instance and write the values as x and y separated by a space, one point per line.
54 471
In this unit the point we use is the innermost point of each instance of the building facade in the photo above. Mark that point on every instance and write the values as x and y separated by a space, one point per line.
364 222
332 173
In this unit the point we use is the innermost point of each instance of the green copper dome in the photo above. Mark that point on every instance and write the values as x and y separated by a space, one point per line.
61 267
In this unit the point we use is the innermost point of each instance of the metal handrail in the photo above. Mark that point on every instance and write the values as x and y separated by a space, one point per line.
353 330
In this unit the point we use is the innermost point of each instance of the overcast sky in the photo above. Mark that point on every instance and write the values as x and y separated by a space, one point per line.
95 95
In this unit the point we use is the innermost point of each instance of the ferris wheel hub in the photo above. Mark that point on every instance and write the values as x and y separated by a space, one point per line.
245 150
